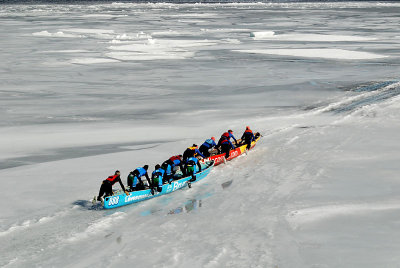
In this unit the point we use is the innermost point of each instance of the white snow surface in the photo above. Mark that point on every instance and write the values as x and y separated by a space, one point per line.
102 87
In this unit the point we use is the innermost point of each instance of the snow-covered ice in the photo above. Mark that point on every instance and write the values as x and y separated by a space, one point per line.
86 89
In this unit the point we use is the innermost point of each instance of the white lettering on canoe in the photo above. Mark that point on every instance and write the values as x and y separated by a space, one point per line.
178 185
132 197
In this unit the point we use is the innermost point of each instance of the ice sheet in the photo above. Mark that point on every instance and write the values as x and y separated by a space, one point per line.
328 53
86 89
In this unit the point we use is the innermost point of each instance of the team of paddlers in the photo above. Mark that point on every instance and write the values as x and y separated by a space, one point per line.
188 164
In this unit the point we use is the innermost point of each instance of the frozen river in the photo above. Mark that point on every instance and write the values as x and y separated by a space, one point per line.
89 88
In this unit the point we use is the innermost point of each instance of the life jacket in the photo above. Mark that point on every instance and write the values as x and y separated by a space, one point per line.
158 175
176 159
141 171
248 134
225 141
226 135
167 167
193 149
248 131
113 179
172 158
209 142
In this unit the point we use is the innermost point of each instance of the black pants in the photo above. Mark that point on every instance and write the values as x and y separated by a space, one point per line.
204 150
168 178
105 188
156 187
225 148
248 142
139 186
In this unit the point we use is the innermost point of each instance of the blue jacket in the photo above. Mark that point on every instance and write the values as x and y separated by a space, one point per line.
209 143
160 173
142 172
167 167
233 137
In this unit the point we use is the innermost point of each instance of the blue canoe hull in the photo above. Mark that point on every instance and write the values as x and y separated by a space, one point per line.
121 199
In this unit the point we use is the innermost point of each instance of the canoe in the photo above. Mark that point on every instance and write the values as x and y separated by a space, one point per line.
121 199
241 149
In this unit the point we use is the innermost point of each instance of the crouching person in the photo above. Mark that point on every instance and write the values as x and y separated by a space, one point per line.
157 178
192 166
207 146
248 137
106 186
134 179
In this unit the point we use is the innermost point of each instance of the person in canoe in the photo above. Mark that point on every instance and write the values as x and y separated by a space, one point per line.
192 166
176 161
191 151
106 186
226 146
170 167
157 178
248 137
207 145
227 136
134 179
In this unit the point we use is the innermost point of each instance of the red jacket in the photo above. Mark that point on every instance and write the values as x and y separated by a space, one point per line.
113 179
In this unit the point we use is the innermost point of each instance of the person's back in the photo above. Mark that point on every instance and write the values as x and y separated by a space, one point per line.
167 167
191 151
106 186
176 160
157 177
207 146
176 163
192 167
248 137
113 179
227 136
226 146
134 180
223 137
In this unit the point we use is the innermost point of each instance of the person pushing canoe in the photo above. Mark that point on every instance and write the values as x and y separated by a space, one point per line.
106 186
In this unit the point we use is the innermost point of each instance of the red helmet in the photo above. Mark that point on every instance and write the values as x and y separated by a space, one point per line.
213 138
